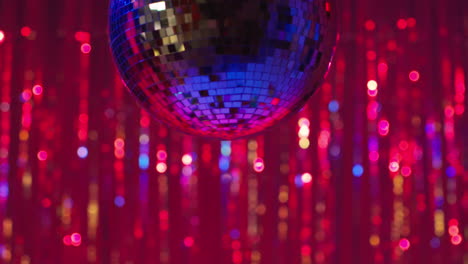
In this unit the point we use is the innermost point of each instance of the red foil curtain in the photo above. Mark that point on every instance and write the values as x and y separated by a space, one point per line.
373 170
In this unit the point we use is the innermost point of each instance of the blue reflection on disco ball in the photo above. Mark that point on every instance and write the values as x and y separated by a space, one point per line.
222 69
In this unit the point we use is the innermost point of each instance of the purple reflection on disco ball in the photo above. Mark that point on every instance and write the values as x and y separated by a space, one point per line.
222 68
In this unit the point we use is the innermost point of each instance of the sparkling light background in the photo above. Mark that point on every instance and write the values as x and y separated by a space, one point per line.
373 170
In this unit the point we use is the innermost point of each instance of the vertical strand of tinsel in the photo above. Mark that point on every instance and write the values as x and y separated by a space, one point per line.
6 103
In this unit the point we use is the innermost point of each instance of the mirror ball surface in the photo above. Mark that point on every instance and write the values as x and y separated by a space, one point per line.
222 69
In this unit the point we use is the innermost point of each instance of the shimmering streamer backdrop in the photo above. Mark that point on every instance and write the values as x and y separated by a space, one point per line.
373 170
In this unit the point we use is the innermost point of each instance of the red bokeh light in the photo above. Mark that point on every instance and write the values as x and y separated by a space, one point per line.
406 171
384 127
456 240
75 239
306 250
237 257
371 55
414 76
403 145
42 155
374 156
382 67
82 36
392 45
189 241
402 24
37 90
275 101
453 222
46 202
369 25
161 155
86 48
404 244
453 230
26 95
67 240
411 22
26 31
119 143
258 165
449 111
145 121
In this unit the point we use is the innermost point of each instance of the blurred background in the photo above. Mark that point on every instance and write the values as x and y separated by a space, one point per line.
372 170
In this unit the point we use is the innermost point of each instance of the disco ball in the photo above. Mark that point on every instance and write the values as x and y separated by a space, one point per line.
222 68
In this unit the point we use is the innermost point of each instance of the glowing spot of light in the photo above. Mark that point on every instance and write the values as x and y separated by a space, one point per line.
161 167
453 230
435 242
334 106
25 31
82 36
372 85
306 250
144 139
161 155
456 240
402 24
258 165
451 171
453 222
306 178
119 201
82 152
75 239
189 241
119 143
304 132
404 244
42 155
4 190
187 159
303 122
384 127
393 166
374 156
358 170
414 76
406 171
304 143
143 161
67 240
224 163
26 95
226 148
158 6
382 67
369 25
37 90
86 48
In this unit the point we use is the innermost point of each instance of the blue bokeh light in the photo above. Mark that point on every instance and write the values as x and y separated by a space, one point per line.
334 106
143 161
82 152
358 170
119 201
